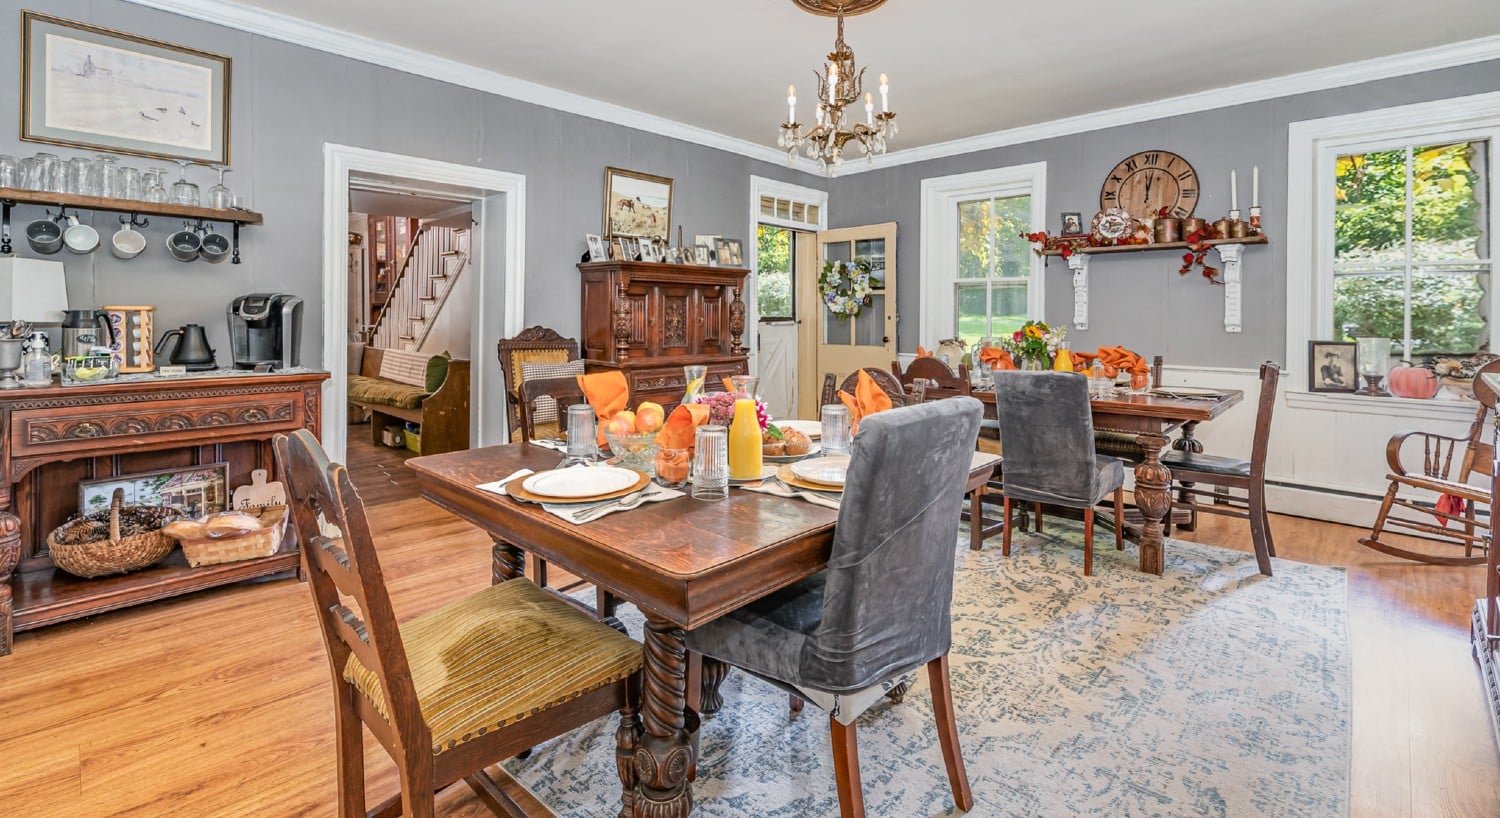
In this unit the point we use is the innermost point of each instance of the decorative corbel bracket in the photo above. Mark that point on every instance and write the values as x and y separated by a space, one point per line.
1079 264
1229 261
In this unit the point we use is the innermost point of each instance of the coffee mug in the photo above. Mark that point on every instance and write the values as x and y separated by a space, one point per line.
80 238
44 236
214 247
184 245
126 242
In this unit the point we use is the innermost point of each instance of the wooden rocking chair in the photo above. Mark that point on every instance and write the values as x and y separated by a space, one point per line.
1437 475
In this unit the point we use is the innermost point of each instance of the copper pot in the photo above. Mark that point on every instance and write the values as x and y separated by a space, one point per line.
1221 228
1238 229
1192 224
1167 230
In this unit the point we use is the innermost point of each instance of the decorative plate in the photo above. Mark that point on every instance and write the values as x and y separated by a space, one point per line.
571 484
784 474
1112 224
825 471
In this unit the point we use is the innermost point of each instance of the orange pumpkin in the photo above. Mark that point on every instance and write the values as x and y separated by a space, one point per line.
1407 381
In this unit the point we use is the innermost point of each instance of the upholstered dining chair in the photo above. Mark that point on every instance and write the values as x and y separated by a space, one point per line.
1047 434
1191 470
535 346
882 608
456 690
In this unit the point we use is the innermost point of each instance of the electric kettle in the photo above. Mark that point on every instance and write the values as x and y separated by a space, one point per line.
82 330
191 350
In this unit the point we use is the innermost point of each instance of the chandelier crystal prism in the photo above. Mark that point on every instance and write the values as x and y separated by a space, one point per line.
840 86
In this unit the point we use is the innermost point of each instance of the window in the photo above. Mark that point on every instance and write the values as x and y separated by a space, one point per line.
994 267
777 281
1411 256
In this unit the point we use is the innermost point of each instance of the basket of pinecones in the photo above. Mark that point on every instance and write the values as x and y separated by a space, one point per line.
118 541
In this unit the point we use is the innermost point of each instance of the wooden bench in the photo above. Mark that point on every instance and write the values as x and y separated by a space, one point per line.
391 385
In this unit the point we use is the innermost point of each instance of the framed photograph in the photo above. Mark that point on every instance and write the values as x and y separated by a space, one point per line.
700 254
671 255
193 490
84 86
1072 224
649 251
637 204
632 247
1332 366
597 251
728 252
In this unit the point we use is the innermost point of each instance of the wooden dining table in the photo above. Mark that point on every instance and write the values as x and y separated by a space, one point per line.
682 562
1151 418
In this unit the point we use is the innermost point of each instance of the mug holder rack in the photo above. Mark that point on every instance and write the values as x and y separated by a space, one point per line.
134 211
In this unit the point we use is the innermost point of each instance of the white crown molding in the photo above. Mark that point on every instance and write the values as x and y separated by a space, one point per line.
1320 79
334 41
293 30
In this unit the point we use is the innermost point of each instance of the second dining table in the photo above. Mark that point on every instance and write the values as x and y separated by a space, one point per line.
682 562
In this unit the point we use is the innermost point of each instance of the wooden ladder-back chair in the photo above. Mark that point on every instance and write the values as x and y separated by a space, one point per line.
1471 455
459 689
883 379
937 375
565 391
536 345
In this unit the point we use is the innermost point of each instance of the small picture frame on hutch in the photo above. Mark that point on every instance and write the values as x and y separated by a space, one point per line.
1332 366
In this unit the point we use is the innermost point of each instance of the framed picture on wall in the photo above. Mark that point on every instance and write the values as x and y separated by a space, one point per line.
637 204
1332 366
84 86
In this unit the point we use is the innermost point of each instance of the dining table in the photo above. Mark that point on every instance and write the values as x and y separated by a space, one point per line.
682 562
1151 416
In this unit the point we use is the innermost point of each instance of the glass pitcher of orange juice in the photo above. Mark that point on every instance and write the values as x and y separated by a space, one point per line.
744 431
1062 361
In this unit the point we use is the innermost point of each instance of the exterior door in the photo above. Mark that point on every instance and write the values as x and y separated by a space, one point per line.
869 340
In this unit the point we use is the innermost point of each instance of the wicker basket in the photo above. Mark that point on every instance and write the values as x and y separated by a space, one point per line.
116 555
248 546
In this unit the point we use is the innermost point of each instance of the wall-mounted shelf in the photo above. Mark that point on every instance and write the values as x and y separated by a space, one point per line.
1169 245
10 197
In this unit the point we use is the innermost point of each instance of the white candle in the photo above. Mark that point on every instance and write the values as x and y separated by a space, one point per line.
791 104
1234 191
1255 186
833 80
869 109
885 94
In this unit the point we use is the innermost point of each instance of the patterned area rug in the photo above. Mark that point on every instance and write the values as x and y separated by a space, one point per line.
1209 691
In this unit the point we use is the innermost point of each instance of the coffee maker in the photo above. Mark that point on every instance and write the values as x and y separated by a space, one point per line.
265 330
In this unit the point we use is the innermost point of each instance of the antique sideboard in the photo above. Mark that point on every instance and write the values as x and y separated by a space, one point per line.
649 320
52 438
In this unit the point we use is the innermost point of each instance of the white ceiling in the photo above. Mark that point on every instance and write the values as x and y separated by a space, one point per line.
958 68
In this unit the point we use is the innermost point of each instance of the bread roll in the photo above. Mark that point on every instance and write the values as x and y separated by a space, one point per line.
231 523
796 442
184 530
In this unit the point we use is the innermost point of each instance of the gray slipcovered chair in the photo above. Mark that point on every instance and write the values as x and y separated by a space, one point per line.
882 609
1047 434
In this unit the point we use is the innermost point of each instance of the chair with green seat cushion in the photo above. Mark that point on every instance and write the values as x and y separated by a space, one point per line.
459 689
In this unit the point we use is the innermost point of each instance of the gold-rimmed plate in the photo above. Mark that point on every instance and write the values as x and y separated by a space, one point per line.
517 489
785 475
826 471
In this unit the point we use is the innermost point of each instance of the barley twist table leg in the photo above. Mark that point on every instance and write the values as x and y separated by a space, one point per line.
509 562
665 759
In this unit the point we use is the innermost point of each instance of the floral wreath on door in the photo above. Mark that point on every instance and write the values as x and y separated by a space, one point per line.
845 287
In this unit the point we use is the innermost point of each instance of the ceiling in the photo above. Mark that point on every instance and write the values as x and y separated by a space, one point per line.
958 68
443 212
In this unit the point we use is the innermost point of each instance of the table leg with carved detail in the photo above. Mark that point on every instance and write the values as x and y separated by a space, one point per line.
714 673
1192 445
1153 496
666 756
10 557
509 562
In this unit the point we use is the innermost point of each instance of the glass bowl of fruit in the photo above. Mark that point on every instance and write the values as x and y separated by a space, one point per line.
632 438
84 369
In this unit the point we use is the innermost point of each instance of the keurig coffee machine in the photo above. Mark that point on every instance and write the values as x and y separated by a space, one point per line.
265 330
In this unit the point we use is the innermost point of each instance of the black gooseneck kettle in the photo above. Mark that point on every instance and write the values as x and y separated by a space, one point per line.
192 349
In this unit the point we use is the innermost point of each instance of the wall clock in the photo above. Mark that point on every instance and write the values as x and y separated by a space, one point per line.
1145 182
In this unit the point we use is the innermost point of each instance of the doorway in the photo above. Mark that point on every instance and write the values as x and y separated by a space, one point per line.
840 344
497 201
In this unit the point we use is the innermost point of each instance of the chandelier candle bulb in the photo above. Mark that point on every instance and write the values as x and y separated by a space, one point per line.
885 94
791 104
869 110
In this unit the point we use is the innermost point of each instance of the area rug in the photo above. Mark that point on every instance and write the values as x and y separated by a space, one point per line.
1208 691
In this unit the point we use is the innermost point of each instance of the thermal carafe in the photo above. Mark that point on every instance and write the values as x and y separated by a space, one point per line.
265 329
83 330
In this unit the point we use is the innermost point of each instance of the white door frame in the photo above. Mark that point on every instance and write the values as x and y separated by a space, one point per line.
761 186
339 161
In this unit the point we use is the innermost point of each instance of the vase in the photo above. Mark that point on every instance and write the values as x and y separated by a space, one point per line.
1035 364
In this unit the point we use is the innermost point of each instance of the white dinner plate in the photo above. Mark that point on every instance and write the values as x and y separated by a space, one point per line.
812 428
829 471
589 482
1186 392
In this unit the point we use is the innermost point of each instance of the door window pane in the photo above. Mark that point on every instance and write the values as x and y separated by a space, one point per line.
869 325
872 251
775 283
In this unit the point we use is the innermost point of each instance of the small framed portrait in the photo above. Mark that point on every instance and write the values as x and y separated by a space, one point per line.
631 247
617 248
671 255
728 252
1072 224
700 254
597 250
1332 366
649 250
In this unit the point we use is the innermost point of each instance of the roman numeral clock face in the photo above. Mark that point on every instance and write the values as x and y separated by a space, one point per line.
1148 181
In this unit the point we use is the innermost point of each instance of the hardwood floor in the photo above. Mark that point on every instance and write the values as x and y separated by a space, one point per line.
217 704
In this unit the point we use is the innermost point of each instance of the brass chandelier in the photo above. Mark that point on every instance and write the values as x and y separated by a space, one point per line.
840 85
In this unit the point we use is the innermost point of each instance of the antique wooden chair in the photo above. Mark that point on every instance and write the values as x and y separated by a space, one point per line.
937 374
459 689
844 637
565 391
883 379
1191 469
536 345
1437 475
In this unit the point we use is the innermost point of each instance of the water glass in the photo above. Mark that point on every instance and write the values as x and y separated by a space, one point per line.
48 173
837 433
693 376
9 172
107 176
154 186
81 180
130 184
711 463
26 173
1100 385
583 445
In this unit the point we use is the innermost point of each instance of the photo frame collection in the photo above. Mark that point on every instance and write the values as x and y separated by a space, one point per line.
711 251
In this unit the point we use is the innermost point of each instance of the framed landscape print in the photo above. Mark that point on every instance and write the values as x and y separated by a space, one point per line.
1331 367
192 490
637 204
89 87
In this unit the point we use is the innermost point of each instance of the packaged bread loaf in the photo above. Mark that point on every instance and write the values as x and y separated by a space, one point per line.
230 524
184 530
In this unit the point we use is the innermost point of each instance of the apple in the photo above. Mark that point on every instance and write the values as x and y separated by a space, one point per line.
623 423
649 417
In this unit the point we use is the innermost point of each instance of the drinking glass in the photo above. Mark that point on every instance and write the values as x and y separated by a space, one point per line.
154 181
81 176
693 375
107 175
219 197
1100 385
130 184
583 446
836 431
9 170
26 173
183 191
711 463
49 173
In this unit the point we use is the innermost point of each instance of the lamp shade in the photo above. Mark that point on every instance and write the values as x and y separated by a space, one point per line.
32 290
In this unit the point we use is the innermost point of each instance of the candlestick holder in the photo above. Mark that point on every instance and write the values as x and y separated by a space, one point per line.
1255 219
1372 387
1374 362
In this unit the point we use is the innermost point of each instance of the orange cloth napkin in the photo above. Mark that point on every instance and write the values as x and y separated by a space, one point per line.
997 358
1083 361
868 398
677 433
728 385
608 393
922 352
1118 358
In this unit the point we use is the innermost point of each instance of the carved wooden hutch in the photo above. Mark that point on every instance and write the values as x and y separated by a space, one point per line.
51 438
649 320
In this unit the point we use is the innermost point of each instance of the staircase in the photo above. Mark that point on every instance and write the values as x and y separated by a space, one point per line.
438 256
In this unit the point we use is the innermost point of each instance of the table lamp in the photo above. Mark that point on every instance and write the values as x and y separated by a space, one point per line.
31 290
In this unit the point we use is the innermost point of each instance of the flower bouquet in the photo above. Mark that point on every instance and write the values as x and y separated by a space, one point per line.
1034 344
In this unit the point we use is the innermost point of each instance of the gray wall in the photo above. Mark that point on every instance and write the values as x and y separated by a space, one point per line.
289 100
1138 299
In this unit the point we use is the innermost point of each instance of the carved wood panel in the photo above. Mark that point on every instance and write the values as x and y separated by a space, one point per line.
674 325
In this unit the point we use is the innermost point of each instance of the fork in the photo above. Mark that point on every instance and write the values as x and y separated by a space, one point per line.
632 499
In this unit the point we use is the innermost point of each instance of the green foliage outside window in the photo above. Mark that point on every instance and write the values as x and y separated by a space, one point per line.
774 249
